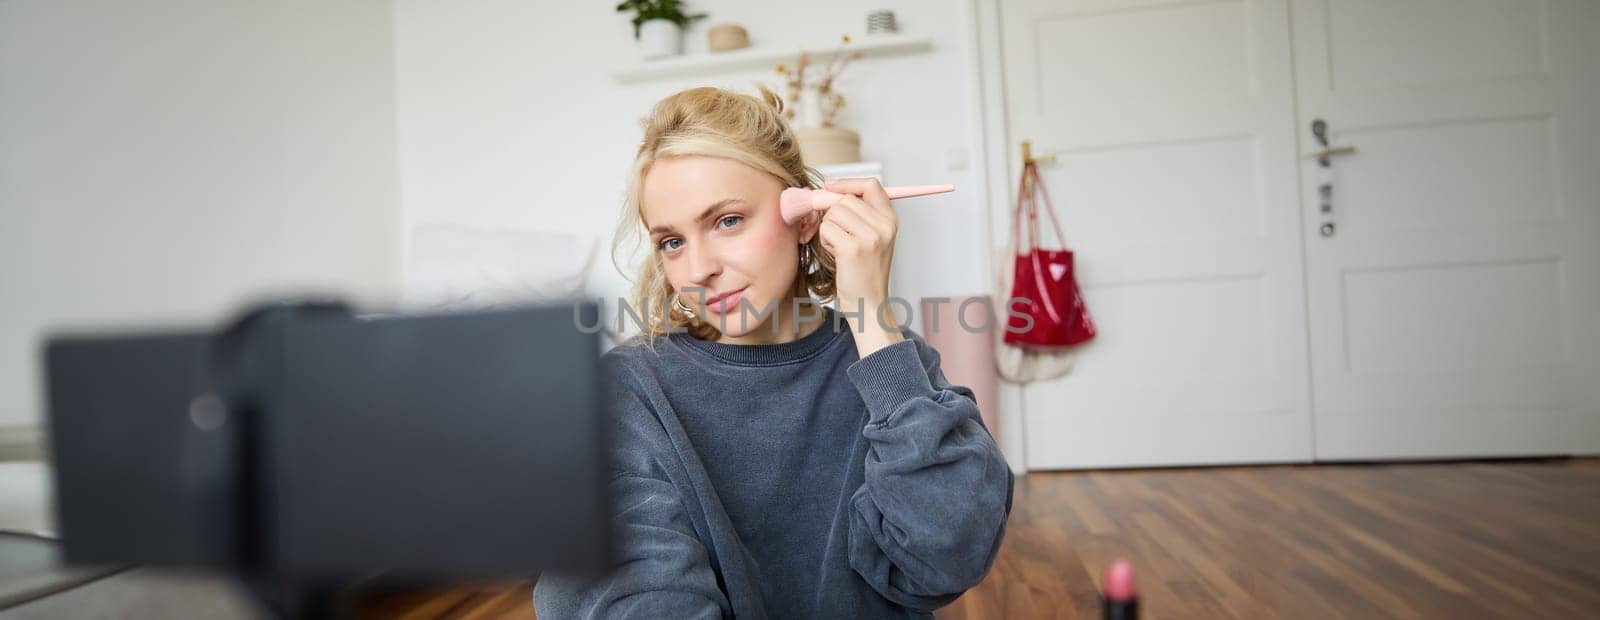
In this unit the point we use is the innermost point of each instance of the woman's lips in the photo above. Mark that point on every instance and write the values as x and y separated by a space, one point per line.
722 304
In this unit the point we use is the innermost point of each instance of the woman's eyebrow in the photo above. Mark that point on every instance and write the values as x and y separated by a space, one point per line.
703 214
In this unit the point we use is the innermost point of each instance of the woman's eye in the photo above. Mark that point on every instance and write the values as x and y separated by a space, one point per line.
726 221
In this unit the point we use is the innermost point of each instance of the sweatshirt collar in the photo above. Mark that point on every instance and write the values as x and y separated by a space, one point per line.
801 349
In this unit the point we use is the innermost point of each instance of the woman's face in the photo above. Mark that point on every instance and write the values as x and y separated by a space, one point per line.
715 223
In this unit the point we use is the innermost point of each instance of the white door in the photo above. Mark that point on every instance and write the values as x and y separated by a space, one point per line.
1454 302
1172 123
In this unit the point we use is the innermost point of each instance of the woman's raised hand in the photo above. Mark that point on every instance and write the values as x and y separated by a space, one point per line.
859 231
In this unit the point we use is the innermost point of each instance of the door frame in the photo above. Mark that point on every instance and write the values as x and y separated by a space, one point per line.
990 139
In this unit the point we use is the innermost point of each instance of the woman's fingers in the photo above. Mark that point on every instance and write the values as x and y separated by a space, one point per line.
868 188
847 219
855 237
873 201
878 221
833 236
862 219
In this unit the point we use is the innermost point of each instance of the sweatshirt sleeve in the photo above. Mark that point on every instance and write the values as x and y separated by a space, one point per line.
660 568
927 523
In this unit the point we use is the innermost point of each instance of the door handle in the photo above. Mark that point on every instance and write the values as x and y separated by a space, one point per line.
1319 128
1324 157
1029 158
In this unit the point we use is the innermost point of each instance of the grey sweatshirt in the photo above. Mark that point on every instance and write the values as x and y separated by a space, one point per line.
793 480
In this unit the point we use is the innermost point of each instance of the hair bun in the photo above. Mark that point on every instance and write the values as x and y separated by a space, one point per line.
770 97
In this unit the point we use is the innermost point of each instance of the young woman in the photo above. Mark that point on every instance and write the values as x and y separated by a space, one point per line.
776 457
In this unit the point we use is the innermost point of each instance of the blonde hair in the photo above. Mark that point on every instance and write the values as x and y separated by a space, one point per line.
718 123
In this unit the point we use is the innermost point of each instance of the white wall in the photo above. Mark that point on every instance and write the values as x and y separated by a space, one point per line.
509 117
165 163
162 161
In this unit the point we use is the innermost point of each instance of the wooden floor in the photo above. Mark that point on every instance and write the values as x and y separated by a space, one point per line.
1456 540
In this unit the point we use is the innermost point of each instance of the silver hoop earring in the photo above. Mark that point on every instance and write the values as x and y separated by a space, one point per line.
677 304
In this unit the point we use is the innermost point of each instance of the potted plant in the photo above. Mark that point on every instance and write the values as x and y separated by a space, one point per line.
658 26
814 105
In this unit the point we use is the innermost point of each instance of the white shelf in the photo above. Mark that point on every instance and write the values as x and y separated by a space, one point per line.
855 170
710 63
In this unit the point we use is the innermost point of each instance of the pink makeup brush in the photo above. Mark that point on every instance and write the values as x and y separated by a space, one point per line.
796 202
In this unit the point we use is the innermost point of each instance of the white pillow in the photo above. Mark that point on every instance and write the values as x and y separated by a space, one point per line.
458 267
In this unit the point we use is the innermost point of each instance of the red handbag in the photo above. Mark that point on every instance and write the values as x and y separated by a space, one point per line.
1044 282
